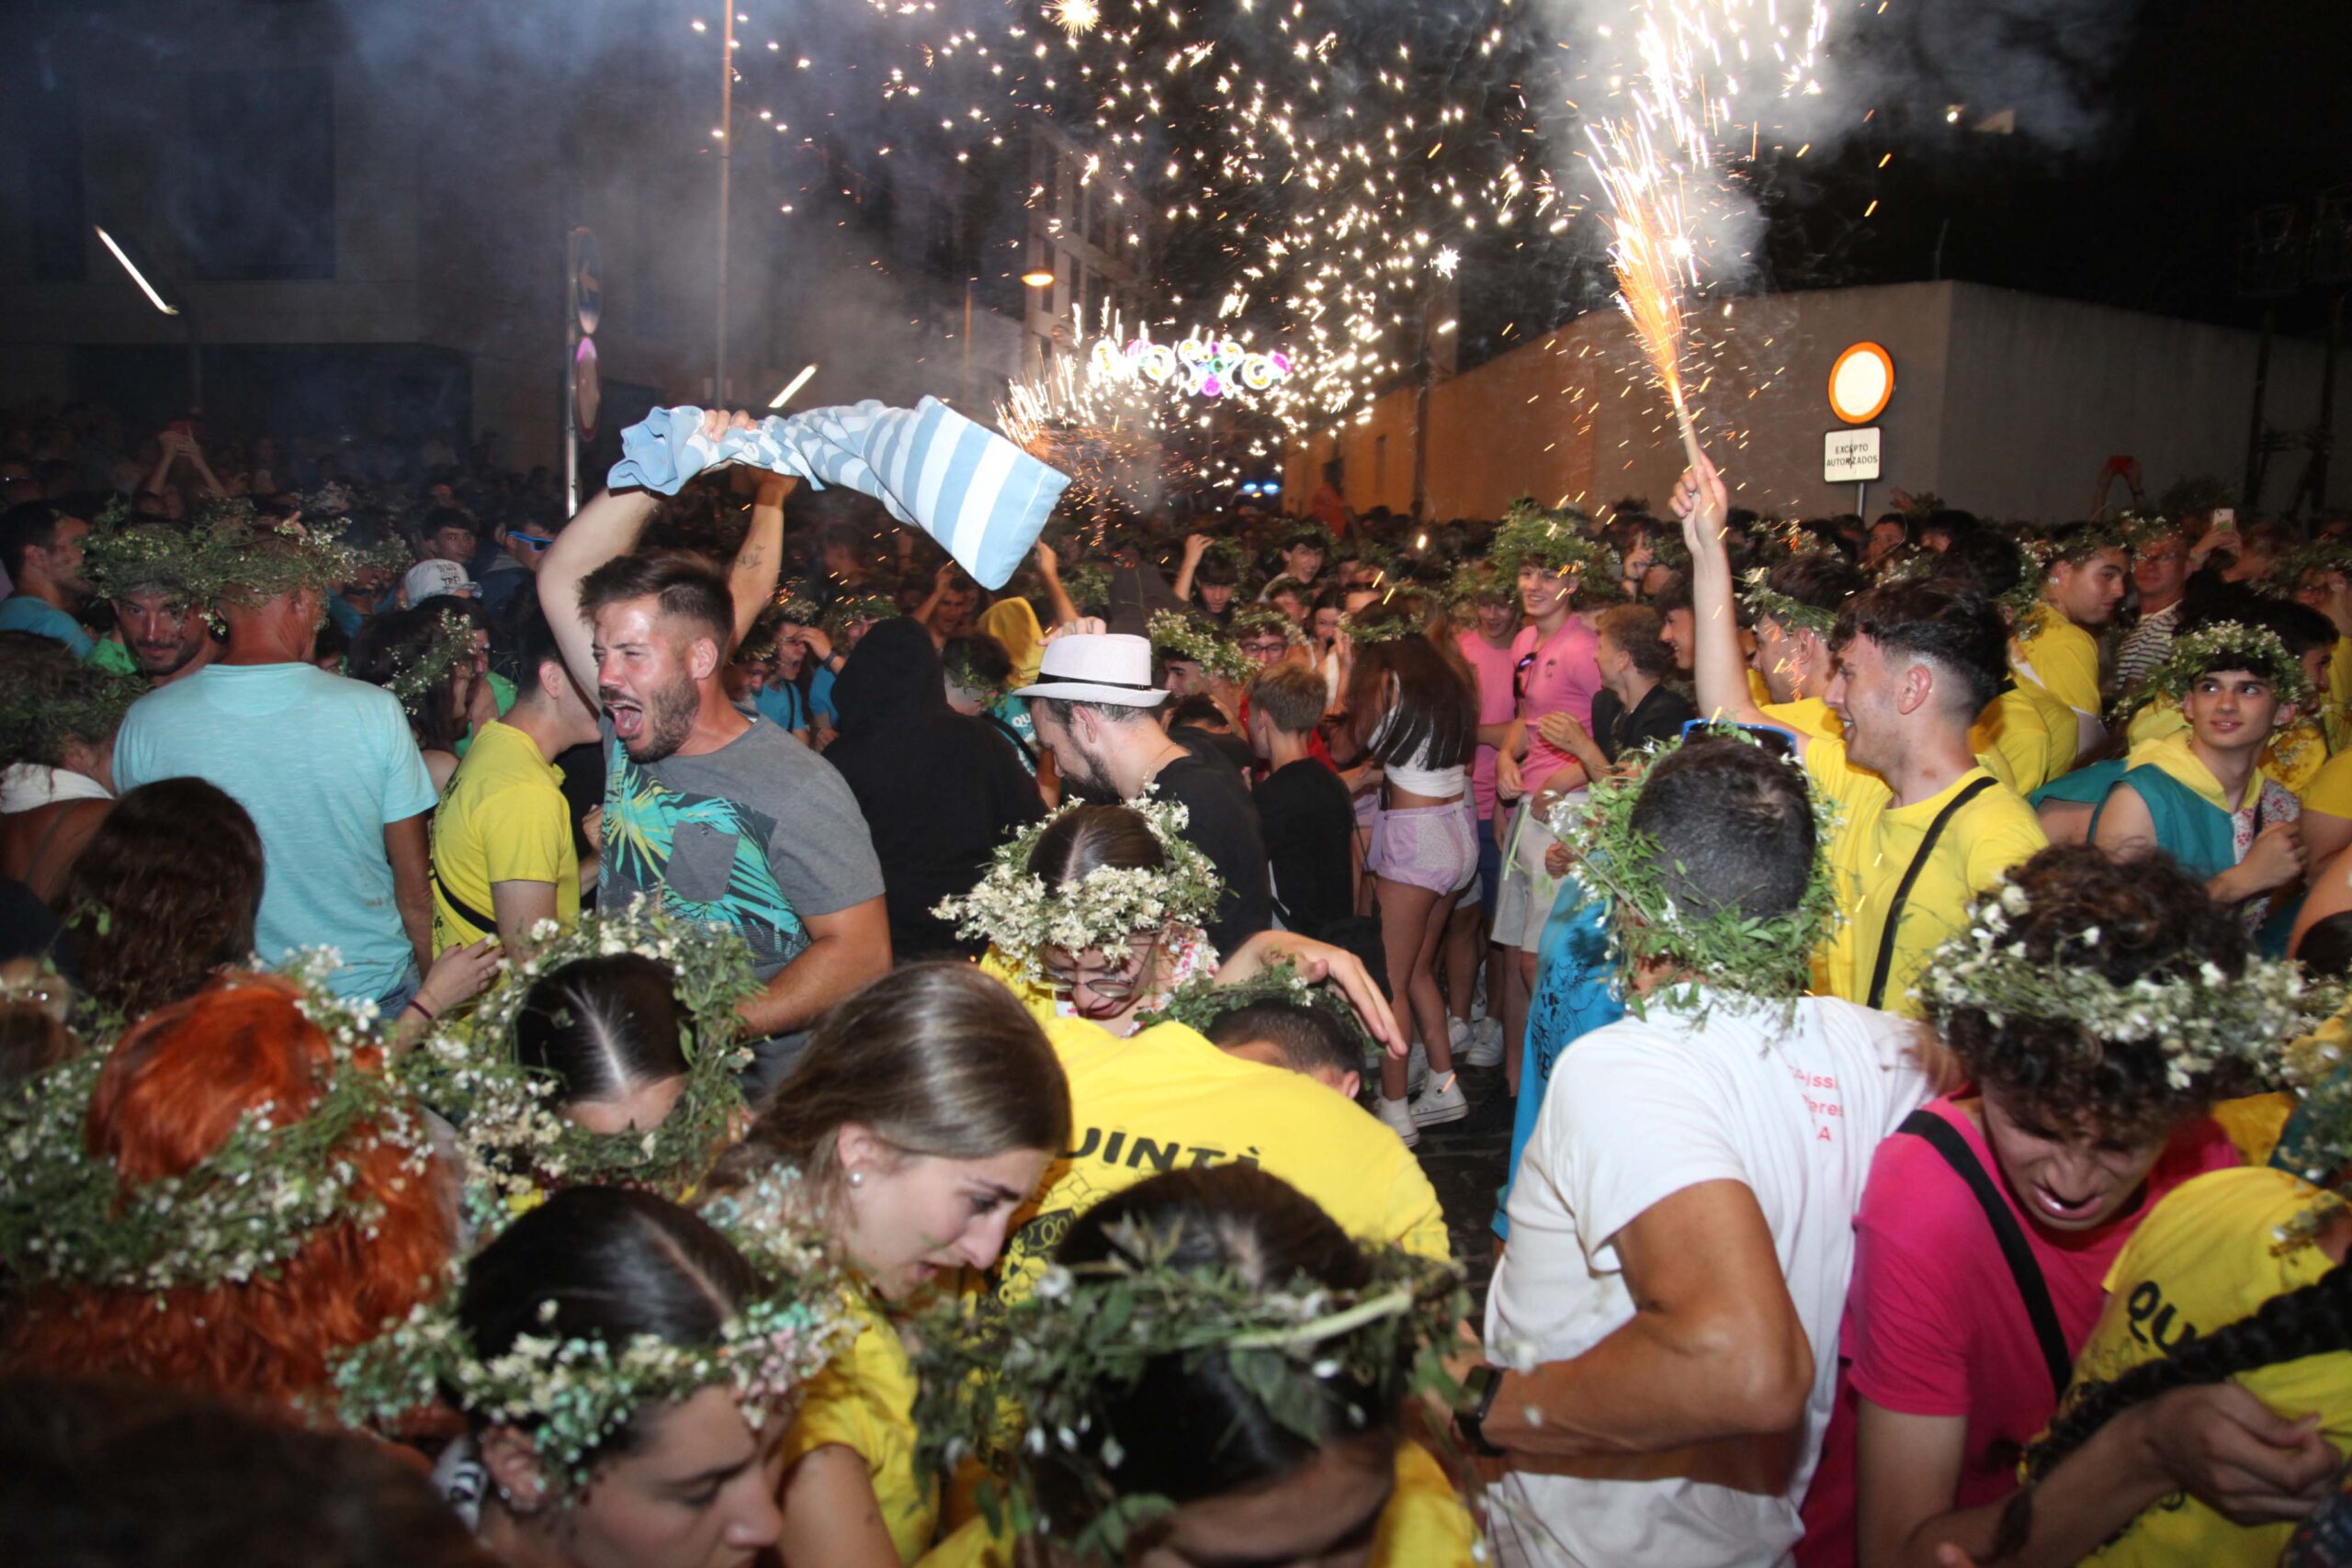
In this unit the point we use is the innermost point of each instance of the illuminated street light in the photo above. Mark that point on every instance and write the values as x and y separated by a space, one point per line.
791 386
136 276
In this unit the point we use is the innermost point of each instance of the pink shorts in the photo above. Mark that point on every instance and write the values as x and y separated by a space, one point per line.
1434 847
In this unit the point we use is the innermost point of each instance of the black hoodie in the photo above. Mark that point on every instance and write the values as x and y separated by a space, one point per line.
939 790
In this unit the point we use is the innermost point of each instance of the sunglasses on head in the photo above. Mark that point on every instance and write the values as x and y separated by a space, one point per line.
540 541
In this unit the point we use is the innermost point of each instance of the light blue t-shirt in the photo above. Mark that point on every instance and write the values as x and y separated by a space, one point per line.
321 764
23 613
820 696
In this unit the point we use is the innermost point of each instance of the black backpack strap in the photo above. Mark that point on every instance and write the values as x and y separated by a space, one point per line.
486 924
1885 963
2033 1289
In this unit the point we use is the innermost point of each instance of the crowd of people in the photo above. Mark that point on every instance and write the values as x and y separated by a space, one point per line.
696 1033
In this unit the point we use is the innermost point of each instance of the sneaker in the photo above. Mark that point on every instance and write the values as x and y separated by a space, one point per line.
1443 1101
1396 1115
1481 1044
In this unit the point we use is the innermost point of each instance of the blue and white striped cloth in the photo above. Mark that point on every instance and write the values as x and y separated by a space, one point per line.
980 496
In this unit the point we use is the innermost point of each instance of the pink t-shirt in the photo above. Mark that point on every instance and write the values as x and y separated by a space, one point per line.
1497 703
1562 679
1934 1324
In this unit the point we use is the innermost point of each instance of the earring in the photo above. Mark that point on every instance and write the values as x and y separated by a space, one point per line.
858 1179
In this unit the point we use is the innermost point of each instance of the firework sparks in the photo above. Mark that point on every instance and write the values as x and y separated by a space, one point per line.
1076 17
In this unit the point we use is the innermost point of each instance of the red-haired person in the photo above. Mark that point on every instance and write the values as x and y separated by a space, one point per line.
274 1251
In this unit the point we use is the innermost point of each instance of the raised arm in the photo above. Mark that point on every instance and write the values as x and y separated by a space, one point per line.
605 528
751 581
1050 569
1721 675
1195 546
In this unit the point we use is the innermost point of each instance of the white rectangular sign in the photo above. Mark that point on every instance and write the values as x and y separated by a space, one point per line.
1849 457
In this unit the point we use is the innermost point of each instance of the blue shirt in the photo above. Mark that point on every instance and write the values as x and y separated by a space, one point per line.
820 696
781 704
321 764
23 613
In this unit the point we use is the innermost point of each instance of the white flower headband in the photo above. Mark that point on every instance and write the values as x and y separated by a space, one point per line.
1017 913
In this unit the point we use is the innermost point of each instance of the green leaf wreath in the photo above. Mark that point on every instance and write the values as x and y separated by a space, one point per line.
2198 1017
1558 540
1092 1330
1711 953
67 1215
1791 615
2222 645
1200 1002
518 1142
1172 632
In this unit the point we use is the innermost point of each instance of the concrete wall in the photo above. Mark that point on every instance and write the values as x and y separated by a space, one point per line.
2009 404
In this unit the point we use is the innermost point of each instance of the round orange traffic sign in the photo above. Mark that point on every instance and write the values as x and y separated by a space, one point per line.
1860 382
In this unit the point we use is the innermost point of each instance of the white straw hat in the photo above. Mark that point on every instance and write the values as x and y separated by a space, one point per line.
1109 667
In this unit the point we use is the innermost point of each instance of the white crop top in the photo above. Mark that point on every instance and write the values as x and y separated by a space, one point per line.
1412 775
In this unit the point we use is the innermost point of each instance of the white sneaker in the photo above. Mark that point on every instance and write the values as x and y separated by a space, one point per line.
1481 1045
1396 1115
1443 1101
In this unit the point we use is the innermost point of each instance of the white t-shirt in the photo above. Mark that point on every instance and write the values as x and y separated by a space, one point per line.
1635 1112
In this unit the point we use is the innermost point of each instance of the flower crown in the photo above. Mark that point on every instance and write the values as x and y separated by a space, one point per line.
864 607
1284 583
1018 915
1088 585
2261 649
1092 1331
1724 952
130 554
1259 618
453 639
796 604
1477 583
518 1145
1173 632
1201 1002
240 1212
2142 529
38 714
1388 618
2199 1019
297 555
1764 602
1556 541
573 1394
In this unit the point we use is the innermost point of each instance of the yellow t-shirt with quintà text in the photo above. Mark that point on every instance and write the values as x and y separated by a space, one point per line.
2207 1257
1166 1099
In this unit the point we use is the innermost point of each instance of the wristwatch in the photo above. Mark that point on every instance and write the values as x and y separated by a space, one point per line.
1471 1423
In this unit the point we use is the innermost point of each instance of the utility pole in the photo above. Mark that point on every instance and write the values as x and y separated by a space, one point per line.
726 159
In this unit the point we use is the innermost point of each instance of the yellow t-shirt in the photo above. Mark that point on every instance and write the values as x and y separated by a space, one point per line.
2203 1259
2340 696
503 819
864 1401
1874 845
1758 692
2331 787
1807 716
1166 1098
2025 737
1423 1525
2060 658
